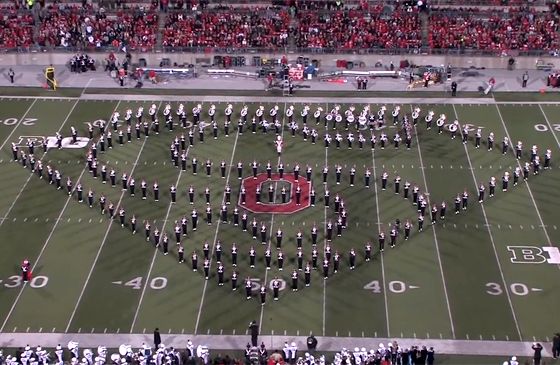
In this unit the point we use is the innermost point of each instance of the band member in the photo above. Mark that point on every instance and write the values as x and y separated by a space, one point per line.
490 141
519 150
234 276
280 260
312 196
239 170
440 122
367 251
299 258
367 176
248 288
336 262
194 219
295 280
352 259
429 117
263 294
465 200
275 288
252 257
492 187
547 158
279 235
244 220
220 271
481 189
407 227
299 239
381 241
453 129
209 215
267 258
325 269
384 178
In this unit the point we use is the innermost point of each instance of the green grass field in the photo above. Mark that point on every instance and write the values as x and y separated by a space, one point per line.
466 278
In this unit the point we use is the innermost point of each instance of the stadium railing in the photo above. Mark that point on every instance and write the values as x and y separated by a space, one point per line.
488 3
292 51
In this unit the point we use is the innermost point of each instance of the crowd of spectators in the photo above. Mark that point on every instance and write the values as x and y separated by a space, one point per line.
227 29
497 31
357 28
76 27
311 24
16 28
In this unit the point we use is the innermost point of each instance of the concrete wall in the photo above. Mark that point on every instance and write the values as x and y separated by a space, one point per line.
153 59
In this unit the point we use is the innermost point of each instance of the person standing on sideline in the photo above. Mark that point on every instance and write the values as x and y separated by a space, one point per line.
537 356
524 79
157 338
556 345
11 75
254 328
454 88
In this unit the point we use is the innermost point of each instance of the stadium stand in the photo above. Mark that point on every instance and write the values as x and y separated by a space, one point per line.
75 27
502 31
353 29
227 29
302 25
16 28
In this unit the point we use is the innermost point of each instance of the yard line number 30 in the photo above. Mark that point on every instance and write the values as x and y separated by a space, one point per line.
15 281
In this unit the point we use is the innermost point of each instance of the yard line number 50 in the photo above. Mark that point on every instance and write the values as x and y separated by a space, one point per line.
544 127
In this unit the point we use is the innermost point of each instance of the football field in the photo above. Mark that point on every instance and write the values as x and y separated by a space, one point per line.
487 273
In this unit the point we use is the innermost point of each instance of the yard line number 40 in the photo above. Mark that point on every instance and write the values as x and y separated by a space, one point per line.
396 287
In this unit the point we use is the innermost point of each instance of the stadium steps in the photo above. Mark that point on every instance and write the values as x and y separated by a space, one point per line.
37 24
424 27
161 28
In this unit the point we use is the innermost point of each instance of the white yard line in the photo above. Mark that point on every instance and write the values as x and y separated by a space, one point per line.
272 218
32 172
435 235
46 242
549 126
548 240
84 287
216 234
154 256
18 124
380 253
325 243
503 278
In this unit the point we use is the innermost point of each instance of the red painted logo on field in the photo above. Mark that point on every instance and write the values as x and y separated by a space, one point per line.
289 207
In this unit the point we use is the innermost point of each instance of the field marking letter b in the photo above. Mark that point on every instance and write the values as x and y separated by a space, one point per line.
534 255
